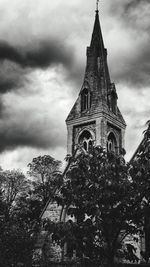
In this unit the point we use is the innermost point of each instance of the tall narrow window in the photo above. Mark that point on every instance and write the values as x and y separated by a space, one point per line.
112 143
85 99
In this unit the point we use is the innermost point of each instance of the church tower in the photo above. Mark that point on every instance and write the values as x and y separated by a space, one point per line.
95 118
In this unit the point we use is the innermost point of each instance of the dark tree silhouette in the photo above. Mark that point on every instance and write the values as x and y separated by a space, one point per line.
103 201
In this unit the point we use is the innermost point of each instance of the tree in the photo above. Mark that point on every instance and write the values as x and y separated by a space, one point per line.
140 171
47 177
21 203
19 218
13 184
16 244
101 196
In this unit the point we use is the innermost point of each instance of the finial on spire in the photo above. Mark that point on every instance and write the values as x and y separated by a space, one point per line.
97 6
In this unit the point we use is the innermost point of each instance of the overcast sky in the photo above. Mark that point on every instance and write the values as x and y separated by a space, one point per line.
42 63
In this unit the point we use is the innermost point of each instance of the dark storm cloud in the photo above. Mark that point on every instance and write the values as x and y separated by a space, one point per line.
133 19
135 71
9 52
21 137
7 85
12 76
16 62
42 54
18 131
16 137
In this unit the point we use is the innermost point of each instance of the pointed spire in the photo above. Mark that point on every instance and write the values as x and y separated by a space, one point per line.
97 39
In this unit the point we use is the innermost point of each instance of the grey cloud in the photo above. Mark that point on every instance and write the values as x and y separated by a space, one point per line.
12 77
7 85
126 9
135 16
42 55
135 71
133 19
9 52
16 62
130 5
32 132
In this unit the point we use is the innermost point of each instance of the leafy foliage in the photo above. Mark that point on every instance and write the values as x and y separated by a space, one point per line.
13 184
103 205
21 203
140 172
16 243
47 177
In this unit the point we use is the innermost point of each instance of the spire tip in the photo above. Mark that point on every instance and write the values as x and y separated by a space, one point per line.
97 5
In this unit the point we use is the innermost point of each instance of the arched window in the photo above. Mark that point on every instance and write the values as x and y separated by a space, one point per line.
85 99
112 143
85 139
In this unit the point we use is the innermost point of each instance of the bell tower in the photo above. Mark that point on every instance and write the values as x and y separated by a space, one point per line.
95 118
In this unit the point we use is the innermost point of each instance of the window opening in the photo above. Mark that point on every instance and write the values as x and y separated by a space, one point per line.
85 99
112 143
85 139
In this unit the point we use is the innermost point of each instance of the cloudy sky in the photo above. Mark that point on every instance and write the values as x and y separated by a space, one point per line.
42 62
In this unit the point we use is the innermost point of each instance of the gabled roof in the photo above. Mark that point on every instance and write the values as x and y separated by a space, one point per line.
136 151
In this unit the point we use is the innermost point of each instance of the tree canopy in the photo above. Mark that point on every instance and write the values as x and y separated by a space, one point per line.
21 202
46 175
104 197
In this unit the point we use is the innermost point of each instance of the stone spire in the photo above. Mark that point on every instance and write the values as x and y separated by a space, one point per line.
95 117
97 38
97 59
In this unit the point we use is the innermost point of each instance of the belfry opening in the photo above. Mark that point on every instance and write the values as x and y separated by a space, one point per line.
85 139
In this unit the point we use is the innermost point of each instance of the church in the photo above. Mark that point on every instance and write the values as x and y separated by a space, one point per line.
94 120
95 117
